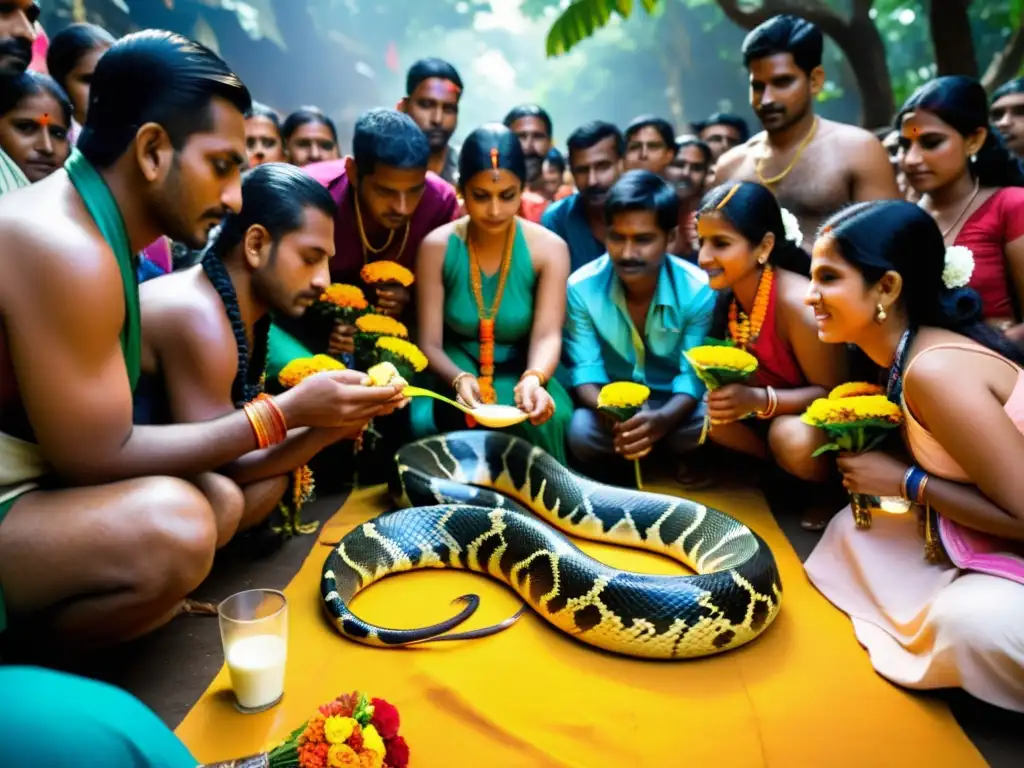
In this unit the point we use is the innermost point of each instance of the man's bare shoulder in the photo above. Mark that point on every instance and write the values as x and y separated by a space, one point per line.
733 160
851 135
181 304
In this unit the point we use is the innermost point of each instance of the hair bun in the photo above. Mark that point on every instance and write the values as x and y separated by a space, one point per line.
962 306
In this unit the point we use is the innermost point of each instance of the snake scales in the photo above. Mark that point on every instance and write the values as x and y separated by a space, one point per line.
461 488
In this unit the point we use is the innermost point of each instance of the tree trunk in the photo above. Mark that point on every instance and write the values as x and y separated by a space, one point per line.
1006 62
857 37
950 29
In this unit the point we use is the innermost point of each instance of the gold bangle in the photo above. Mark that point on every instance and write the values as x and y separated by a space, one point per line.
543 379
458 378
773 404
920 491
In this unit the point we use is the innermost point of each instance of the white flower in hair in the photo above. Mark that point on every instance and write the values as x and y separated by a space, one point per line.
791 225
959 266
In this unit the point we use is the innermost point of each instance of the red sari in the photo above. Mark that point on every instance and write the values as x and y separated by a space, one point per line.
998 222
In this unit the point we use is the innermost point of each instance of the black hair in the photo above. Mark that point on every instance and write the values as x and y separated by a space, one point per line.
476 153
425 69
640 190
390 138
692 141
894 235
785 34
589 134
556 160
304 116
529 110
262 110
154 77
30 83
1013 86
276 196
662 126
753 211
961 103
735 122
69 45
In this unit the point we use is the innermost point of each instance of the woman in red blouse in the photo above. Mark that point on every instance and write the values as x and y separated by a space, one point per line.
972 186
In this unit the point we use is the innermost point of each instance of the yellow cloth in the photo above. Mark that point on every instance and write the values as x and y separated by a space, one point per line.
804 694
21 464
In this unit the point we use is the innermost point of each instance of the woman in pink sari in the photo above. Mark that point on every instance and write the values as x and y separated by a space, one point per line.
881 278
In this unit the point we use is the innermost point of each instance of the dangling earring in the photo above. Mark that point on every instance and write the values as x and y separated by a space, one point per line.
880 314
974 159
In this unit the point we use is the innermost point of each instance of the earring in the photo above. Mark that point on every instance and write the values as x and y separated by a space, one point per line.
974 159
880 314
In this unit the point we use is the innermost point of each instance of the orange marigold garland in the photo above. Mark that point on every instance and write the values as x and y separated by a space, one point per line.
352 731
745 329
487 315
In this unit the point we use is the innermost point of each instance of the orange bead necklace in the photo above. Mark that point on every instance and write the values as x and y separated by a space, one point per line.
487 315
745 329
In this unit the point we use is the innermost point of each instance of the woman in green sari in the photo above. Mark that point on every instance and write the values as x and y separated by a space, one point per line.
491 300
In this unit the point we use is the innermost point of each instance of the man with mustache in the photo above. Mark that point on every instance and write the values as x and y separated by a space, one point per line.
387 203
595 161
204 329
688 172
17 33
630 316
814 166
433 89
532 125
107 526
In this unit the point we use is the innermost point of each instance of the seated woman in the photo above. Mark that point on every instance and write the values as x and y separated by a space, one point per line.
35 117
880 280
972 186
756 264
491 300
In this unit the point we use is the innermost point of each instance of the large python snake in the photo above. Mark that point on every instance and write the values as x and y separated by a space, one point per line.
463 490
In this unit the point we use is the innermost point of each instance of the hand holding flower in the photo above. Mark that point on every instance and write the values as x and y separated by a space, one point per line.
636 437
392 299
342 339
874 473
733 402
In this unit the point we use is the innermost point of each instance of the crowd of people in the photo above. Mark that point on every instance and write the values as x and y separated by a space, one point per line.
164 236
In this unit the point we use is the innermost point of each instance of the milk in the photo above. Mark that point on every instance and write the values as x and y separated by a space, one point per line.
256 665
499 416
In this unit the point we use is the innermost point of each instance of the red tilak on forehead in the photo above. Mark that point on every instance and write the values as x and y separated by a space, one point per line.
44 119
452 88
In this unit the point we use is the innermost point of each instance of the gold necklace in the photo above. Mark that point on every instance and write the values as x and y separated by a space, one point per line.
970 202
367 248
799 151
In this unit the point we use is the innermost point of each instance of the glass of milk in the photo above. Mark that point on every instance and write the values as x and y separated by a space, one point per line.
254 632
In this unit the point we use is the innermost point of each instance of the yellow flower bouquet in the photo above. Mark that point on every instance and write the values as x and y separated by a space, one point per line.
405 356
719 364
854 424
855 389
370 328
341 302
386 273
622 400
303 367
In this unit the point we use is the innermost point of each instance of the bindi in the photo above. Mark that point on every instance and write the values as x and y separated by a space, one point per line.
44 120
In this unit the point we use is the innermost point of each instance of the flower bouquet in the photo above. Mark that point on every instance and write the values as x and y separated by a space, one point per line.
854 424
717 365
370 328
353 731
405 356
383 273
341 303
622 400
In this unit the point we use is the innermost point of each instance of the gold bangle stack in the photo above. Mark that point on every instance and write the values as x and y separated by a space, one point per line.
267 421
541 377
773 404
458 378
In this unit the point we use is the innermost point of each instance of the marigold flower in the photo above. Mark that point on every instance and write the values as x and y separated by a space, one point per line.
408 351
314 732
385 718
342 756
356 739
386 272
855 389
314 755
623 394
397 755
852 410
381 325
303 485
338 729
344 296
370 759
729 358
301 368
373 741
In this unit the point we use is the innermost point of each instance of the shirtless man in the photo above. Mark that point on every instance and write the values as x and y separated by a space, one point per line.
204 330
98 535
814 166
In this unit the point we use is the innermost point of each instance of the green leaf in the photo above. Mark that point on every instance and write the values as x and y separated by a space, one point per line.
620 413
585 17
825 449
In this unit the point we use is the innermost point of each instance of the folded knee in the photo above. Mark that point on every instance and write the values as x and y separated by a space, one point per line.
980 623
792 442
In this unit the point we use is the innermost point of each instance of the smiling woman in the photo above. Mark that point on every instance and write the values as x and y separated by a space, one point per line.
35 117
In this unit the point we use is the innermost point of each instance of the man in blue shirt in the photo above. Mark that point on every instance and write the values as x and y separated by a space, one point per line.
631 315
595 161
